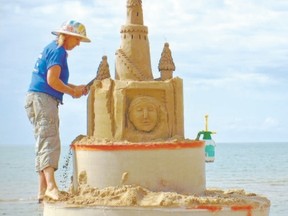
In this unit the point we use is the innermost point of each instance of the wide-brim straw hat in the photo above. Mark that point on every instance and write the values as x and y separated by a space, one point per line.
73 28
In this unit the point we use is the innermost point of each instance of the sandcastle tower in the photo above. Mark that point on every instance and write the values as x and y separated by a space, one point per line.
135 142
133 56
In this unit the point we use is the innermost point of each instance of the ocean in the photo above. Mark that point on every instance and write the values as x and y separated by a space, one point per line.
261 168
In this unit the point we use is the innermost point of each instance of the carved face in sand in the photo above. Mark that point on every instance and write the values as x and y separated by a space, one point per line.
143 113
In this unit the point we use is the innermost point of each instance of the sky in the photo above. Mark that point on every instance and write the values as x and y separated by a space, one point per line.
231 54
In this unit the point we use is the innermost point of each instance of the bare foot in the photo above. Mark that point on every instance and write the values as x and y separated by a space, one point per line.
41 195
53 194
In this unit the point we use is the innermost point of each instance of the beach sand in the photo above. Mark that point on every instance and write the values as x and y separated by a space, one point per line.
129 195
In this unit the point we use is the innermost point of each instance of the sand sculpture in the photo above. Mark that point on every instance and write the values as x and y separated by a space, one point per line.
109 112
135 154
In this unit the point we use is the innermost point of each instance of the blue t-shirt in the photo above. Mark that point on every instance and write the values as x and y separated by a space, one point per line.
51 55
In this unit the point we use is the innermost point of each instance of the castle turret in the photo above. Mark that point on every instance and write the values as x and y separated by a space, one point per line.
166 64
103 71
133 58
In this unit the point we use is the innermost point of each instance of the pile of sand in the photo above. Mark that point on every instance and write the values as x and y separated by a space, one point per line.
128 195
90 140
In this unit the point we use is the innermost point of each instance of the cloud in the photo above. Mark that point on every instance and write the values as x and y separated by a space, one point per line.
270 123
241 124
234 33
237 83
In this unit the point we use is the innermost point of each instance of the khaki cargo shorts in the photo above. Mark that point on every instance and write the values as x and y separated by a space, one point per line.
42 111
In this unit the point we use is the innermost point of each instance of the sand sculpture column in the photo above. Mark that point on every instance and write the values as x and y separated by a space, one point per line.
99 113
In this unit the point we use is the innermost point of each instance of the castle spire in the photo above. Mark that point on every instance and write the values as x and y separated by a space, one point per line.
134 12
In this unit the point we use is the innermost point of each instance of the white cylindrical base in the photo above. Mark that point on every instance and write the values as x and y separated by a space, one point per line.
158 167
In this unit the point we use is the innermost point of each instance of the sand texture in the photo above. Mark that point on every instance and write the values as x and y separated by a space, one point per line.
90 140
136 196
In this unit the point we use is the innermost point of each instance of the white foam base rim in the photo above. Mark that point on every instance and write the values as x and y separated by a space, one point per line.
63 210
